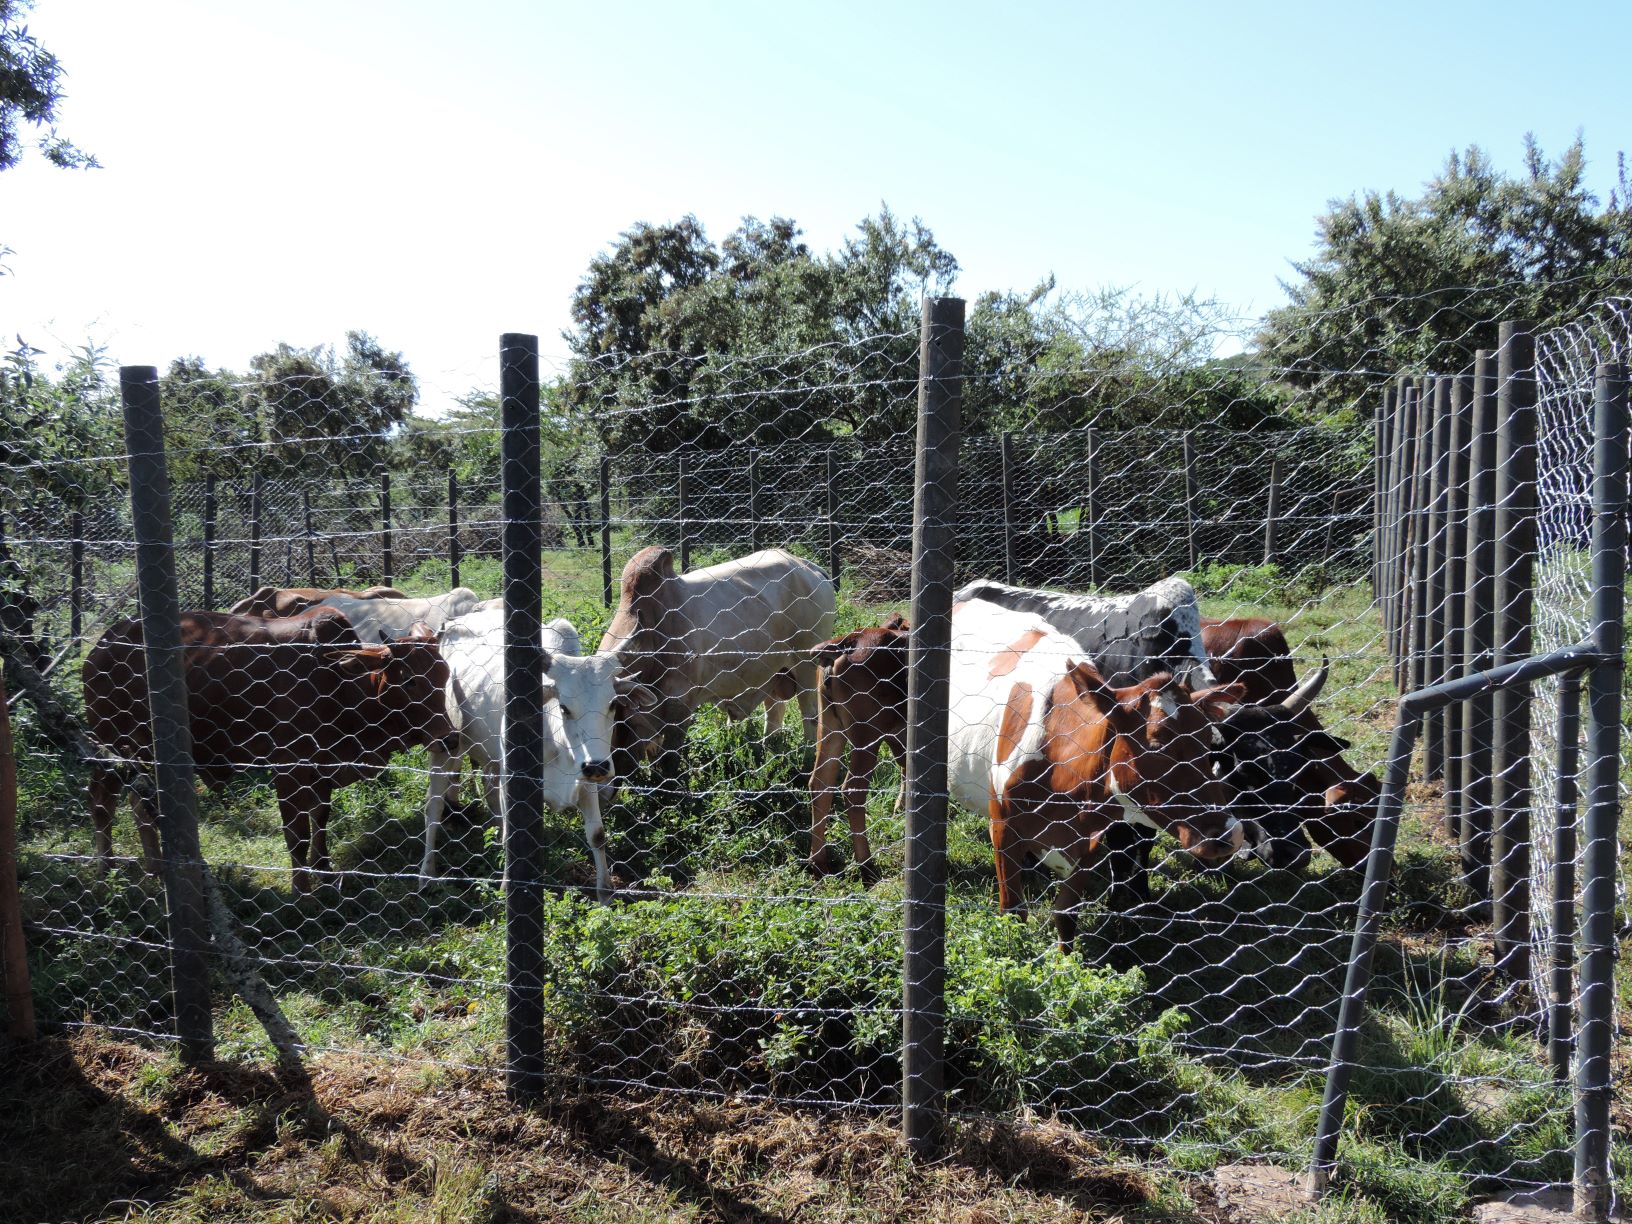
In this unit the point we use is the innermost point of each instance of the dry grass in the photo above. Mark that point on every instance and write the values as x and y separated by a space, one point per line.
97 1129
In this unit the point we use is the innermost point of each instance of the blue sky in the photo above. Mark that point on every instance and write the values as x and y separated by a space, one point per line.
438 174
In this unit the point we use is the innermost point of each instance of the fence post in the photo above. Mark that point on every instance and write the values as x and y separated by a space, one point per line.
1380 426
453 528
13 950
1479 628
606 529
756 534
523 542
940 396
1434 585
1274 509
387 559
1399 562
1190 497
684 487
255 534
1005 455
1566 795
1456 550
311 538
1091 507
167 709
209 542
1603 759
1514 598
1421 466
833 567
76 578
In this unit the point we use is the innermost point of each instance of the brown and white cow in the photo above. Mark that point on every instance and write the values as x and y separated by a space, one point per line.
721 635
1337 803
1059 758
862 703
298 695
286 601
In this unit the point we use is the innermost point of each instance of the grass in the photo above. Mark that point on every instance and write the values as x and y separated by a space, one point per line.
726 975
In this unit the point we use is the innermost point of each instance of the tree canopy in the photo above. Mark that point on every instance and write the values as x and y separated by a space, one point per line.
1419 284
30 92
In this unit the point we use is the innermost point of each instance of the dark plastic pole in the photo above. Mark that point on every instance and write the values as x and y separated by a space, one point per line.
684 487
1005 453
453 528
606 529
940 396
167 708
756 534
523 543
255 534
1190 497
1480 630
1091 507
1437 403
1514 595
1566 796
1404 490
76 578
1456 611
833 566
1602 760
1274 511
388 560
1422 467
311 538
209 541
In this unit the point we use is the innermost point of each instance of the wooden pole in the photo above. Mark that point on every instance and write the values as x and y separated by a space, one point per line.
13 949
1274 509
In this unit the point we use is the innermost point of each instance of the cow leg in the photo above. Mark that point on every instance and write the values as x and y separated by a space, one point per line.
1006 855
293 801
1127 862
321 866
147 826
1066 902
824 780
863 761
807 675
589 806
444 776
104 802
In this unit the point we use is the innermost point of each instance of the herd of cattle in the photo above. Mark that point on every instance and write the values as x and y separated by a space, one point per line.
1081 725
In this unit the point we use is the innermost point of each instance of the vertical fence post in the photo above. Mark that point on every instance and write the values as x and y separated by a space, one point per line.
76 578
387 558
19 996
1190 498
167 709
833 567
1421 466
1091 507
1479 630
1603 760
1380 427
1005 454
1515 561
453 528
1456 549
683 485
1274 509
1400 567
1561 884
523 542
311 538
255 534
756 533
940 396
1434 585
606 529
209 542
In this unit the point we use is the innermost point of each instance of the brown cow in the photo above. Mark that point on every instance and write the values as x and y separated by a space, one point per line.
1337 802
298 695
287 601
861 701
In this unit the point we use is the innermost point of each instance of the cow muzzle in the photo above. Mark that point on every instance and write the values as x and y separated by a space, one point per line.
596 771
1214 851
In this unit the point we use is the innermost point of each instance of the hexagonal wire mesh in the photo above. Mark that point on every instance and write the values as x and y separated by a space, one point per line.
1191 1020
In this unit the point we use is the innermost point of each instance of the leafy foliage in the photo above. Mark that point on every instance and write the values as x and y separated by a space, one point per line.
30 92
1420 284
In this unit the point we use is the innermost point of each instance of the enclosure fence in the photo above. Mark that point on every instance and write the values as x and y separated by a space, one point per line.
592 618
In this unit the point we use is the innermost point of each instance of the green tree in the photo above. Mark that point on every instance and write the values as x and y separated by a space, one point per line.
209 428
1403 285
30 92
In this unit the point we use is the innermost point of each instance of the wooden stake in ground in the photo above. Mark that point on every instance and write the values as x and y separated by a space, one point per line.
13 953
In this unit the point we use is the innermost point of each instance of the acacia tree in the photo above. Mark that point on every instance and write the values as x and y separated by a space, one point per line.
1400 285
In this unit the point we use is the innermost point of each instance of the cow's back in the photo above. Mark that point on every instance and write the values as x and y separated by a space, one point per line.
1254 650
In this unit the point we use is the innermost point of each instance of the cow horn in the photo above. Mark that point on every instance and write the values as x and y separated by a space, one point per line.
1304 695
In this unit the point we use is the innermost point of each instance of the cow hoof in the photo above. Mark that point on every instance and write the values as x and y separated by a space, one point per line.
821 863
869 872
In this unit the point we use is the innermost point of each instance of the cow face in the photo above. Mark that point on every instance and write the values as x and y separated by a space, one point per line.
1166 767
409 679
583 698
1259 762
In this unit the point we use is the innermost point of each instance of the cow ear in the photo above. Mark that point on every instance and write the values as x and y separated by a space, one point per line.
632 694
362 660
1220 699
827 653
1087 681
896 621
551 691
419 631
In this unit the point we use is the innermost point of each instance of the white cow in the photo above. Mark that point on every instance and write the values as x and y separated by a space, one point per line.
381 620
737 635
581 696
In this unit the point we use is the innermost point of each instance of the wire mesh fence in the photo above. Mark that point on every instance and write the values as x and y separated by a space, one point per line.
1178 776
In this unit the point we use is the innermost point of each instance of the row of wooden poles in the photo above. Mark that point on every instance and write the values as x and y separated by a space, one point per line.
1455 546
